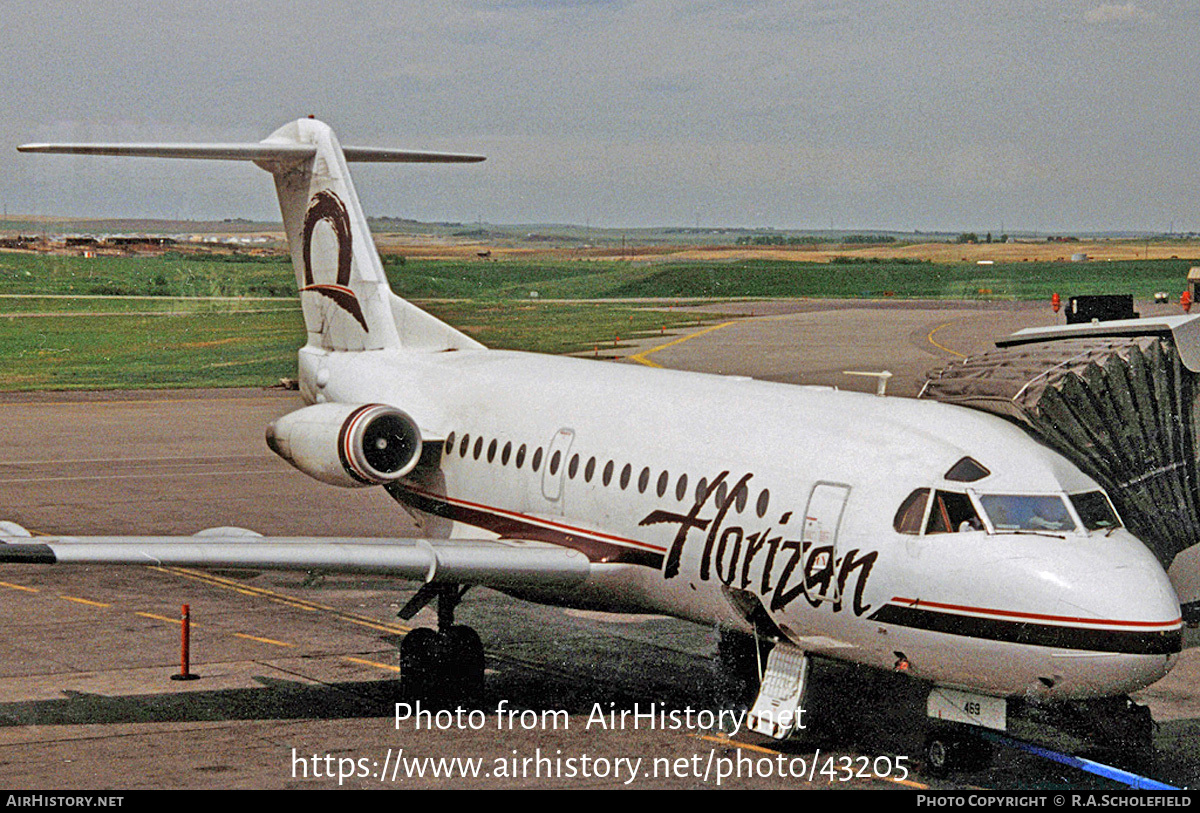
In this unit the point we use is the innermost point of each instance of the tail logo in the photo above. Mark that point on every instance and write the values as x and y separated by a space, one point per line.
328 207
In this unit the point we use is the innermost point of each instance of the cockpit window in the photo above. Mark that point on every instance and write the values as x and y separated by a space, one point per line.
912 511
967 470
952 513
1095 511
1013 512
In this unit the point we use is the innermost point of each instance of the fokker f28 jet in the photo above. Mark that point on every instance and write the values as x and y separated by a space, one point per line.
893 533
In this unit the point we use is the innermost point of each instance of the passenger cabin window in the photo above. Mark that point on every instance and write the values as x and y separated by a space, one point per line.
1095 511
912 511
952 513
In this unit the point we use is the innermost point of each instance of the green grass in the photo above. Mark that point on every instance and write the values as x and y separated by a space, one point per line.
557 327
239 275
102 352
765 278
15 305
179 321
112 343
167 275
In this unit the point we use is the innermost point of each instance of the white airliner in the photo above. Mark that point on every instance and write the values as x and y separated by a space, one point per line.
900 534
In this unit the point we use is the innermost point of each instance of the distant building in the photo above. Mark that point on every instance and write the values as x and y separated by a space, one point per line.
1193 281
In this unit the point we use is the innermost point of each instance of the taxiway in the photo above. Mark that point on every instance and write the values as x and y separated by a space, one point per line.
297 671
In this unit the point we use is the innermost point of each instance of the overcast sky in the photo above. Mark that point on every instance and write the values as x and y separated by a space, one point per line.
1050 116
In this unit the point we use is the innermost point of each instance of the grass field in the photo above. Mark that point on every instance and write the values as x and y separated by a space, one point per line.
190 276
166 275
179 320
768 278
131 343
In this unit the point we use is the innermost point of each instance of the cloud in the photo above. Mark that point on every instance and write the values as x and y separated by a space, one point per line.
1116 14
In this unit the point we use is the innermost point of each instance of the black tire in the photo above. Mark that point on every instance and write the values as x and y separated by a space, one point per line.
737 664
975 754
1138 732
419 656
462 664
939 756
947 752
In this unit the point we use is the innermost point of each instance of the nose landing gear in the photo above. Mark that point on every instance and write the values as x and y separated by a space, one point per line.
949 750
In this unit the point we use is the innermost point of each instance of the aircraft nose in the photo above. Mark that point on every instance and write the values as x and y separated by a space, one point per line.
1114 577
1113 599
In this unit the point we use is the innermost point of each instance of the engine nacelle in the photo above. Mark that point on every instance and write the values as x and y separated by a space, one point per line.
348 444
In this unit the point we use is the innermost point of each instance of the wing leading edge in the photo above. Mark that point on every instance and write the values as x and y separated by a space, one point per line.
483 562
253 151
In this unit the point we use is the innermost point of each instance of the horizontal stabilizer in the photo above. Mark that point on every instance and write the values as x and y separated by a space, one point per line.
409 156
257 151
486 562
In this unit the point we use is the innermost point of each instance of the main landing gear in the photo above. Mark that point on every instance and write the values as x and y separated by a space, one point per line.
442 666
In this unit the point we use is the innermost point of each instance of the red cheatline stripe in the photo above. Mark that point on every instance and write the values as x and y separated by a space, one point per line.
537 521
1063 619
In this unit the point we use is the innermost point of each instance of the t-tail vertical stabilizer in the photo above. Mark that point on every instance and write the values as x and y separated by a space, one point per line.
343 290
348 305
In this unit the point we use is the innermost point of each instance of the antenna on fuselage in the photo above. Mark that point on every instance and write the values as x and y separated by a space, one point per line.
881 382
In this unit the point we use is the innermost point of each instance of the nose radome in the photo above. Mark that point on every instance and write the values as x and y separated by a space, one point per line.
1117 578
1117 600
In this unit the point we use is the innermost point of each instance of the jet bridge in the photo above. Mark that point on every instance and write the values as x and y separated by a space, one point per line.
1118 399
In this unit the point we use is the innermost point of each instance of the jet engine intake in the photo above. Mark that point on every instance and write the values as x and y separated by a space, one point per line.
348 445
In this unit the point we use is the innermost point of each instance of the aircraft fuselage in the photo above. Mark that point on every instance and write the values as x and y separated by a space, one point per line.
738 502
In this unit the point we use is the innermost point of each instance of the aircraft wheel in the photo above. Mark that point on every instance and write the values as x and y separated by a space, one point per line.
976 754
419 658
938 756
1141 725
737 668
947 752
463 663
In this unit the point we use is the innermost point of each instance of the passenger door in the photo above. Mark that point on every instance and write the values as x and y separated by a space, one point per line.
555 468
822 520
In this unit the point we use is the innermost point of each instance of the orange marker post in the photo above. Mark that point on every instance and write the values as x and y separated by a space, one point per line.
185 634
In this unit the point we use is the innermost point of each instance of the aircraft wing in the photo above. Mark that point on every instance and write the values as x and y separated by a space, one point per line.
486 562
